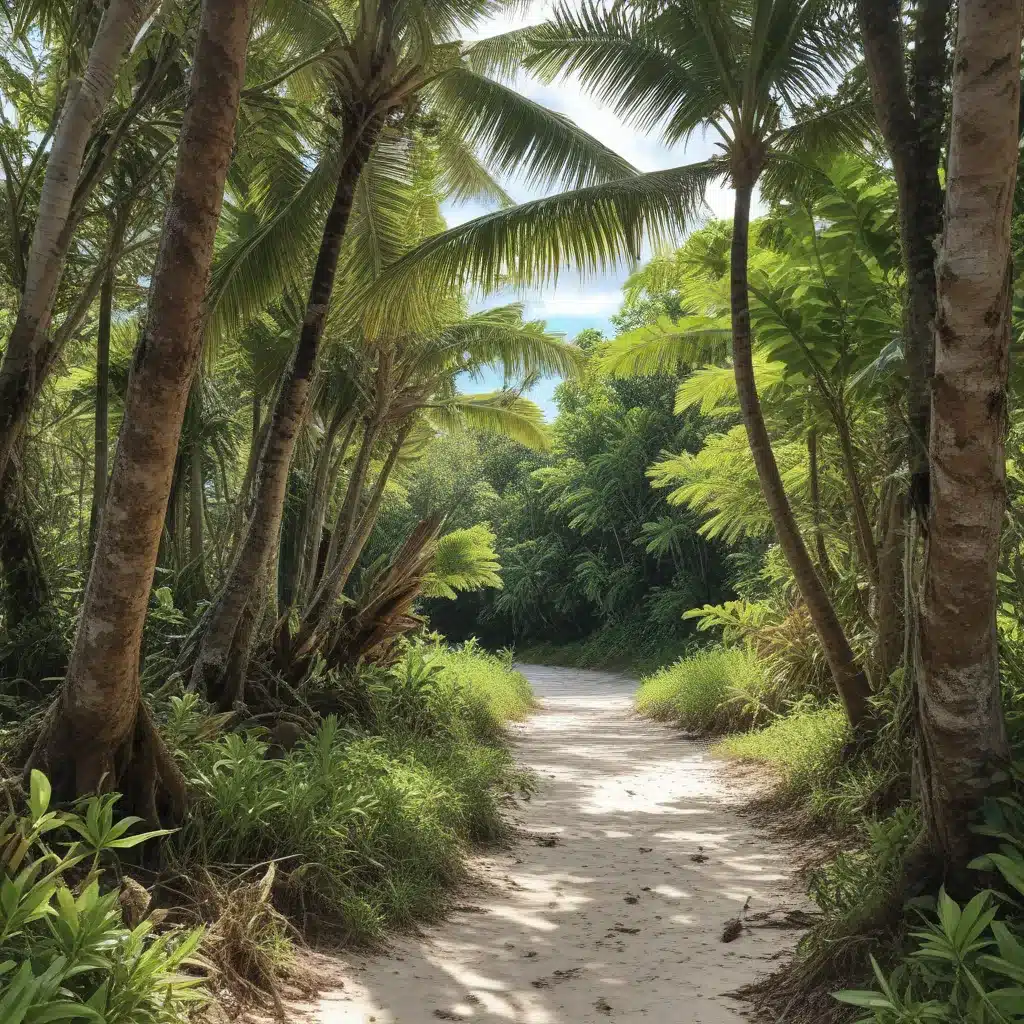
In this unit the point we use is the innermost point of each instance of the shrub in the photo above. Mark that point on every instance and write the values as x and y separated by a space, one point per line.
66 953
368 820
713 691
804 748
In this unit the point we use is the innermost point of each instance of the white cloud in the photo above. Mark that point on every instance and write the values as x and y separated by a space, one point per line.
575 302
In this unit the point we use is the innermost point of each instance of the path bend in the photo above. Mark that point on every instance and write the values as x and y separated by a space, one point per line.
612 905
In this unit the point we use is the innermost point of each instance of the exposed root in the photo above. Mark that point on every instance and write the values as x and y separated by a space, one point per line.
140 767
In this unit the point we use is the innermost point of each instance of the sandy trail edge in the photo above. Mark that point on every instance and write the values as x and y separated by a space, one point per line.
613 922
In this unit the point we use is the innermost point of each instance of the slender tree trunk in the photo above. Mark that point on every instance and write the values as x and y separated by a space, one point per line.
98 734
26 594
311 546
331 587
286 418
348 514
849 677
293 573
911 116
861 522
963 734
824 563
23 366
101 432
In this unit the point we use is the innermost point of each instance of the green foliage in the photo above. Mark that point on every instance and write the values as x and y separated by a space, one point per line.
65 953
369 817
712 691
803 747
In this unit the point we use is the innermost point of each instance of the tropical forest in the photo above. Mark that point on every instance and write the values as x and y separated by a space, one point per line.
511 511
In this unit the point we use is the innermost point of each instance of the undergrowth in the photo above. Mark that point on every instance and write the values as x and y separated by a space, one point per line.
628 647
713 691
367 818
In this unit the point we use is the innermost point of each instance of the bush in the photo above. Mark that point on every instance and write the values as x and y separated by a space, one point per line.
368 821
804 748
65 952
714 691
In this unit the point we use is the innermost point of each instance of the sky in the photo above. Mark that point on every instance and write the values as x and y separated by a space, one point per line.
573 303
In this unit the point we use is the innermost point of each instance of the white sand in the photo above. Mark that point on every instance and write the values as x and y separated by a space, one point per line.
614 921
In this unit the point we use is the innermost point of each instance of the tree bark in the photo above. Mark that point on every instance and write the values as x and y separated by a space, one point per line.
962 730
22 367
101 431
98 734
911 117
849 677
288 414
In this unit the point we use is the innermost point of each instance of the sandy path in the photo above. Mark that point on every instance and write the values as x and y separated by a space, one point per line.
614 921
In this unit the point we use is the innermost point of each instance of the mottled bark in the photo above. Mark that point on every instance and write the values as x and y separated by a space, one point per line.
87 97
98 733
962 731
849 677
289 412
911 115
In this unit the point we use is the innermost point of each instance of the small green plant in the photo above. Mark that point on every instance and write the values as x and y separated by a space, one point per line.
713 691
967 967
65 952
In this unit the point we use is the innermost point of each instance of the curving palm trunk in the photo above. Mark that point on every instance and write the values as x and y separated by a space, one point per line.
101 423
23 370
963 737
290 408
849 677
98 733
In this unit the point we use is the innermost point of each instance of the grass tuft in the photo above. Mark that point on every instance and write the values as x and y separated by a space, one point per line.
713 691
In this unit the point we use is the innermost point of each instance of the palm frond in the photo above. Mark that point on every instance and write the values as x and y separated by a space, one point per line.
590 229
464 560
498 412
520 137
667 345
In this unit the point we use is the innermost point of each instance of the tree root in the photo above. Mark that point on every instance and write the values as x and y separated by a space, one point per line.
140 767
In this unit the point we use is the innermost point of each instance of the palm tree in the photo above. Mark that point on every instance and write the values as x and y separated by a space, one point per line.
960 712
753 73
98 732
382 59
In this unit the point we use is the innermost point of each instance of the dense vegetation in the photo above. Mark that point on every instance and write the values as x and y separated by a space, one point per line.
239 464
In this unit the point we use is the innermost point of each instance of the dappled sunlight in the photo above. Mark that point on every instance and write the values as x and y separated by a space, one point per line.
609 905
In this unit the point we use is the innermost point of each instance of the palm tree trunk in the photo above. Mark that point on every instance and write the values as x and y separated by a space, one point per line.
963 735
22 372
911 116
848 675
98 733
101 432
287 416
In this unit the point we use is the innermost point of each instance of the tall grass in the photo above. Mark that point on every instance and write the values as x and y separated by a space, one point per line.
713 691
